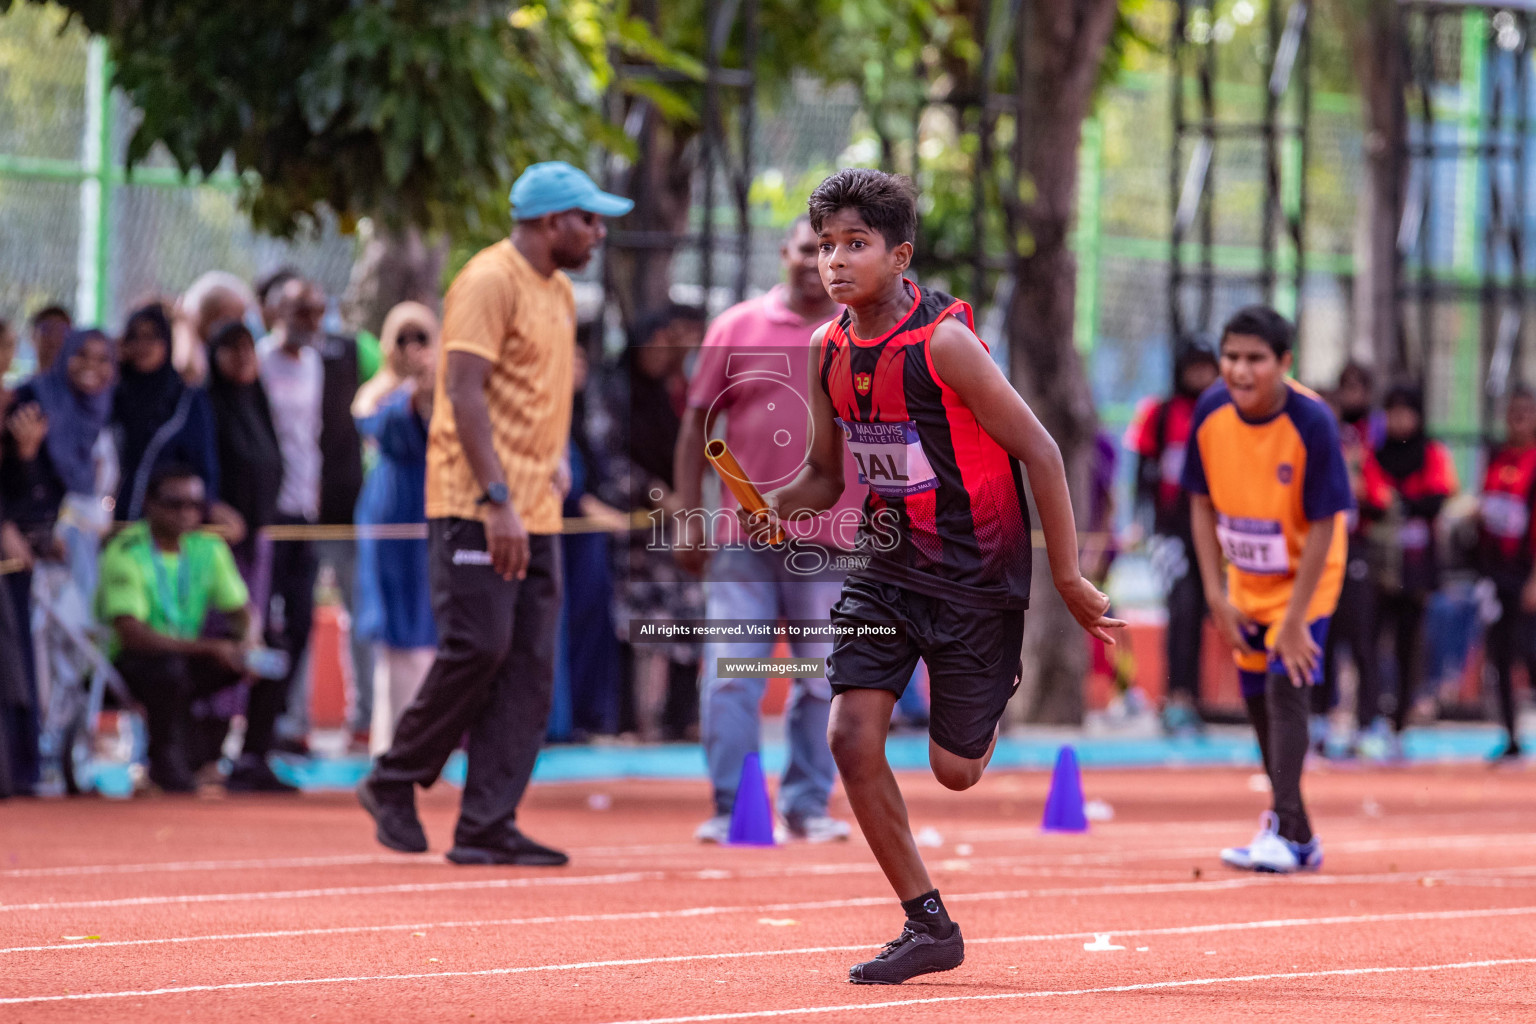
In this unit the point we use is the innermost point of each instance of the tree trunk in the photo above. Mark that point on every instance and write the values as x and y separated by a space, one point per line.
1376 36
1064 45
638 262
393 267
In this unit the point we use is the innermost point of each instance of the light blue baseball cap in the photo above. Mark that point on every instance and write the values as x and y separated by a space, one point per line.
555 186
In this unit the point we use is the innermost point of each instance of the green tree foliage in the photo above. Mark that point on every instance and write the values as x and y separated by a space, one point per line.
411 111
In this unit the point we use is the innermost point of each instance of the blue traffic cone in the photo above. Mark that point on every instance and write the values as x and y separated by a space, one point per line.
751 815
1064 806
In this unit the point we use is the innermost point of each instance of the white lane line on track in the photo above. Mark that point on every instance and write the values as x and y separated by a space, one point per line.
180 866
689 912
646 961
1146 888
781 908
1111 832
709 874
795 870
1343 972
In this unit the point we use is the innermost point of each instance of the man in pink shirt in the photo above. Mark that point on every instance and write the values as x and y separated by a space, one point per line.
753 371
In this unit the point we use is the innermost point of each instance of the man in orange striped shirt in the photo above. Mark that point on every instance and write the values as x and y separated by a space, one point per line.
501 417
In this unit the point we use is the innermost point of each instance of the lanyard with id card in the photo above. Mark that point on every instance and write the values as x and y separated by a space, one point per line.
174 602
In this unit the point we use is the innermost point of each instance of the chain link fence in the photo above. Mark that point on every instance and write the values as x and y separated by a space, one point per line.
77 233
74 229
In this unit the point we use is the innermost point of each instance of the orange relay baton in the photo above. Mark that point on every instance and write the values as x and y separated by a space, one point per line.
732 475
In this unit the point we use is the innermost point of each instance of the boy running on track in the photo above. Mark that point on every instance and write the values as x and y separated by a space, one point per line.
938 434
1270 493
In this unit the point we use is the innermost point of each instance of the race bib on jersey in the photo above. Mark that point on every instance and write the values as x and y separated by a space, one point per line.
890 457
1254 546
1506 516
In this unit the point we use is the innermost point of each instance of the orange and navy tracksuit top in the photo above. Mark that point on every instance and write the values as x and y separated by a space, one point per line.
1268 482
946 512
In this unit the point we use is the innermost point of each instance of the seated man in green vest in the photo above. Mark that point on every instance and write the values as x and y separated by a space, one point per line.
160 577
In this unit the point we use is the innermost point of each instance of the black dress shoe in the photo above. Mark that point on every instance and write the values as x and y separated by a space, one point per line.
394 817
253 775
517 849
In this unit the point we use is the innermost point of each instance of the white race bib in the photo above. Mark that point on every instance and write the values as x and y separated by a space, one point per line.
1254 546
1413 535
1506 515
890 457
1171 465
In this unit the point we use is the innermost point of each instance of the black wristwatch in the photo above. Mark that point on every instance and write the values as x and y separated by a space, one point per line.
496 494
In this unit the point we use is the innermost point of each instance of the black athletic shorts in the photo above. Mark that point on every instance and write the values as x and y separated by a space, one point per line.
972 655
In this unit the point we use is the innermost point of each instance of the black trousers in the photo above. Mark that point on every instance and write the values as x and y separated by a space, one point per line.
1279 718
20 716
294 566
1186 627
493 678
1353 627
1402 614
15 690
1511 638
167 684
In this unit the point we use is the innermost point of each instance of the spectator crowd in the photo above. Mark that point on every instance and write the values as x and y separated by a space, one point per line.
168 497
166 489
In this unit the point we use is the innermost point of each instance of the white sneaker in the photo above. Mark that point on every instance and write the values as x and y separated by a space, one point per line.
1283 857
715 830
1271 853
1241 857
819 828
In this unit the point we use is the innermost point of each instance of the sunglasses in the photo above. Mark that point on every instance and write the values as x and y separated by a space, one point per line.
181 504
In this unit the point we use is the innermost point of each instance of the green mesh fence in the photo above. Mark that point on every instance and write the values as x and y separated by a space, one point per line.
73 229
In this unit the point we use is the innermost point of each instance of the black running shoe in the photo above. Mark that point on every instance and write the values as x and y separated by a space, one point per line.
516 849
914 952
394 818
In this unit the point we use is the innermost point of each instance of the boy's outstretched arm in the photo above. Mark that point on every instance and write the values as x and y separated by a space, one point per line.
963 364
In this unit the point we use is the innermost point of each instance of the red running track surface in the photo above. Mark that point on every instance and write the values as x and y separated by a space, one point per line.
284 909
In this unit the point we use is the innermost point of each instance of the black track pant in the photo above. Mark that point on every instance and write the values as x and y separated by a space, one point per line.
1353 627
1186 625
1279 718
493 678
1511 639
167 684
1402 614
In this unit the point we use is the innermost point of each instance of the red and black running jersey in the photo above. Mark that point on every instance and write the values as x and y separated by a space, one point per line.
1509 496
946 511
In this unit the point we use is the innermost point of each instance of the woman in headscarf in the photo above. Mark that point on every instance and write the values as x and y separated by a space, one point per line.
393 605
250 462
407 324
49 453
1421 476
160 418
214 298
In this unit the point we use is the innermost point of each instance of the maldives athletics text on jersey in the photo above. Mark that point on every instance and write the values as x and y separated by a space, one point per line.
957 524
